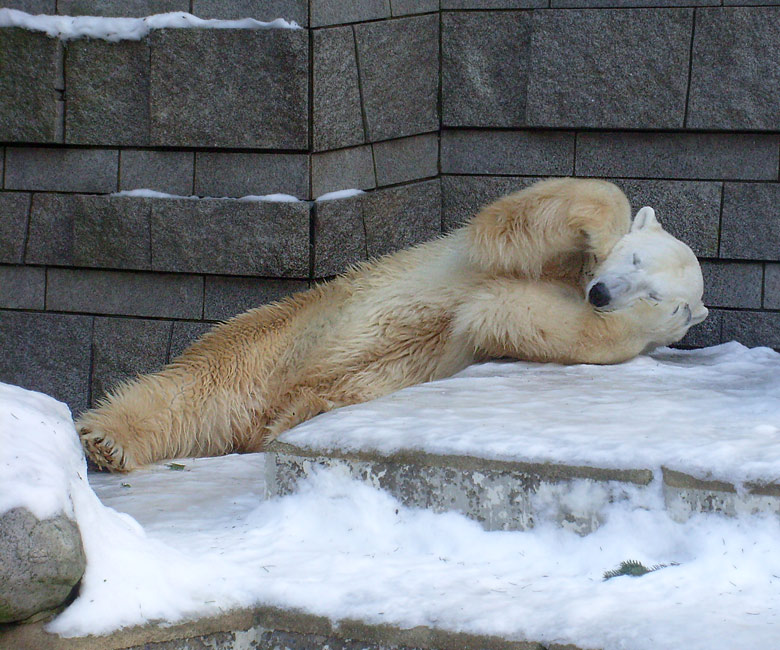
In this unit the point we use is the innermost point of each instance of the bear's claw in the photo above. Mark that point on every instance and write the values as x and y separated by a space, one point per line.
103 452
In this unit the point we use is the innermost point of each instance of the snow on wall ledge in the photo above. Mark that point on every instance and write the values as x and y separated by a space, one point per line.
126 29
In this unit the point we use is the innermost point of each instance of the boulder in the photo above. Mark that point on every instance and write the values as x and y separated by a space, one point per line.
41 561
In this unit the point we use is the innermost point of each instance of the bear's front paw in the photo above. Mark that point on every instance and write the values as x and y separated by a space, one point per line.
671 320
103 452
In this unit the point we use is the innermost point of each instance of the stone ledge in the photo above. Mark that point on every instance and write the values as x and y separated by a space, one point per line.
265 628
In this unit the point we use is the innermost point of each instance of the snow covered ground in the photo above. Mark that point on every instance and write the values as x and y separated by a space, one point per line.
168 543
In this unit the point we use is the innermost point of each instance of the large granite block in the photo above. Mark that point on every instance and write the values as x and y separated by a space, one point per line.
125 294
732 284
492 4
226 297
750 226
735 76
30 74
61 170
337 114
622 68
590 4
14 209
485 66
230 88
400 217
241 174
22 287
406 159
50 238
48 353
463 196
752 328
547 153
88 230
772 286
342 169
122 348
34 7
112 232
163 171
335 12
689 210
231 237
399 67
107 92
339 235
129 8
717 156
407 7
265 10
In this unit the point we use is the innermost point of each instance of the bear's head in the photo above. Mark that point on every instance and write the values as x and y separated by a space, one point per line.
648 264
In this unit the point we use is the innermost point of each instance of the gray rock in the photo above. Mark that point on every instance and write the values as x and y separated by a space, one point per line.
406 159
49 353
108 92
122 348
772 286
230 88
112 232
492 4
265 10
752 328
22 287
337 116
61 170
185 333
41 561
400 217
407 7
240 174
735 74
631 3
231 237
485 61
717 156
30 73
14 208
226 297
342 169
163 171
125 293
463 196
750 226
335 12
34 7
548 153
399 65
50 239
339 235
130 8
732 284
609 69
704 334
689 210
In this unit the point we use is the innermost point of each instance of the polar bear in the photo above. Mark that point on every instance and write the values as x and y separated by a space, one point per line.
556 272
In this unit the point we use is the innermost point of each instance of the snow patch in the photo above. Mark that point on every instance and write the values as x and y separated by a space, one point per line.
250 198
339 194
126 29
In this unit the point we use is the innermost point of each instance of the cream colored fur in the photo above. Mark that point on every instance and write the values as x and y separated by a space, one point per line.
509 283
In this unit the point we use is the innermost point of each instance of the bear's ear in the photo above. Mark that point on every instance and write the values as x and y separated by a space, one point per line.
645 220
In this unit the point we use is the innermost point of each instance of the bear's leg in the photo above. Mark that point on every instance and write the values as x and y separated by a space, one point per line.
536 231
551 322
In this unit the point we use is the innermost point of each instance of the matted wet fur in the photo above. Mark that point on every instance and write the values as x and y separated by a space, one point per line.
509 283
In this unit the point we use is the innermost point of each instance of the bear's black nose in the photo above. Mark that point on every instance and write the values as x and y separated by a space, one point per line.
598 296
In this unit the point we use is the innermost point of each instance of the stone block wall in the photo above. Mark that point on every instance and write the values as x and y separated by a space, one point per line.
432 107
